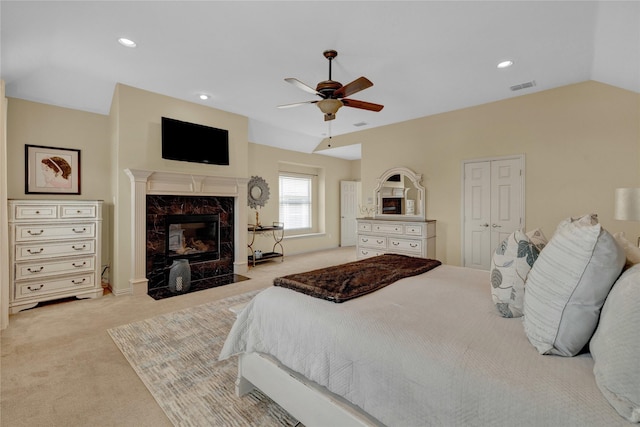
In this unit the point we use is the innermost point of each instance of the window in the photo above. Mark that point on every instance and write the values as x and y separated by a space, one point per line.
296 201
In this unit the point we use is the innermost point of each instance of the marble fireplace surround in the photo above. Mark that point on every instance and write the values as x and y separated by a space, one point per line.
144 182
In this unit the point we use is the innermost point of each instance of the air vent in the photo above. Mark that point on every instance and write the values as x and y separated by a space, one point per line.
360 124
525 85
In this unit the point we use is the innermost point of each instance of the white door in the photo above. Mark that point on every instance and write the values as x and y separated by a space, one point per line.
493 207
348 212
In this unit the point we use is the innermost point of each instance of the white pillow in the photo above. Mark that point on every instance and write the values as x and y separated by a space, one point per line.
615 346
510 264
568 284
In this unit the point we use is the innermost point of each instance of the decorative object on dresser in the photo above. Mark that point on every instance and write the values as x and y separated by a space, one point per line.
378 237
51 170
55 250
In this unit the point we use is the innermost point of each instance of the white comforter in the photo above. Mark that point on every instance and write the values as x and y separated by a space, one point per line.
427 350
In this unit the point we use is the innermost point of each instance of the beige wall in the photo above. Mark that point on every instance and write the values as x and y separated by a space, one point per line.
32 123
264 161
580 141
136 131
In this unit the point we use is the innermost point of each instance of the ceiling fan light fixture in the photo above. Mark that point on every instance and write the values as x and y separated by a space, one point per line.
505 64
329 106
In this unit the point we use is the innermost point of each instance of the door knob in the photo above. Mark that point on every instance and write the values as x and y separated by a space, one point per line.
484 225
496 226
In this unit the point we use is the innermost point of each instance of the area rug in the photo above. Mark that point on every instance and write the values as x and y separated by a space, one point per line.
175 356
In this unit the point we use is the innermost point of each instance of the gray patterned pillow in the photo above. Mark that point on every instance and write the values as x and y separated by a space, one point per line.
510 265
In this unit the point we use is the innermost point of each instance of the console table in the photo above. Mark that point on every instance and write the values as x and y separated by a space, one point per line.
378 237
277 232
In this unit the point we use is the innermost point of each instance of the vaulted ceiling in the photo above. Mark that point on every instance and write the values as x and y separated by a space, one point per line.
424 57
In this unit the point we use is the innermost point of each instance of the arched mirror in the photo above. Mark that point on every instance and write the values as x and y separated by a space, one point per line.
399 195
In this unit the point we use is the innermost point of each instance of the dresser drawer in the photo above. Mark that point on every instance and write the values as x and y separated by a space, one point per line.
36 211
373 241
30 232
414 230
26 252
388 228
33 270
364 226
406 245
78 211
369 252
35 288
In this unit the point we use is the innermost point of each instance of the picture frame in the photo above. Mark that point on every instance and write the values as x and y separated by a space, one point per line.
51 170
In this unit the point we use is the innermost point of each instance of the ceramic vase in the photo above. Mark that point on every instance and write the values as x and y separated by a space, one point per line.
180 276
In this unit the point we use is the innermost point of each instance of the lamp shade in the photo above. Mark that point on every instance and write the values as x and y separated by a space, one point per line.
627 204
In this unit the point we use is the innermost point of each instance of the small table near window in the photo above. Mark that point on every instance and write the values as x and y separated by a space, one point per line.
277 231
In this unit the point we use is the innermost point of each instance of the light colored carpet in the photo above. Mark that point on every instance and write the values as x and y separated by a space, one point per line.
175 356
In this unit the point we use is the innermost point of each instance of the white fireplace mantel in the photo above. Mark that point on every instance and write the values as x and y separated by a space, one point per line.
145 182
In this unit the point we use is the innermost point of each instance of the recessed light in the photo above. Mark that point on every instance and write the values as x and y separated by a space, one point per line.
126 42
204 96
505 64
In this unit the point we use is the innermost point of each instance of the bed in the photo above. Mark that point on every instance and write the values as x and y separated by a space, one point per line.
426 350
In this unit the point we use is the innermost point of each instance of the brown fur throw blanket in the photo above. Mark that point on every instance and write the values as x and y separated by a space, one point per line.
343 282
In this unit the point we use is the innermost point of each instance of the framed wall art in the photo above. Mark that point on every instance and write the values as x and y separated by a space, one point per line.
51 170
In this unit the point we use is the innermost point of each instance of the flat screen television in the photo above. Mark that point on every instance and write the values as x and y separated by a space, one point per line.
190 142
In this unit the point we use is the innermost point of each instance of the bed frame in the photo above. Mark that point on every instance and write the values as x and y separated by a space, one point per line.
303 399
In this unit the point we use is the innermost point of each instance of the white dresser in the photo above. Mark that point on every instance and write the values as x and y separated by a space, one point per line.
415 238
54 250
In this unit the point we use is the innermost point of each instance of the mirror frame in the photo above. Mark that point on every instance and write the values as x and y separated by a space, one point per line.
420 196
261 184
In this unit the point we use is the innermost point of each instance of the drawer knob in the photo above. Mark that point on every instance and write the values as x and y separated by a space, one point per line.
79 265
79 231
77 282
34 252
413 245
34 270
35 233
365 240
78 211
34 289
79 248
380 241
396 243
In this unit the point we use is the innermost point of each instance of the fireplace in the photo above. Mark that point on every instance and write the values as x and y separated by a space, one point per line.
155 194
198 229
392 205
194 237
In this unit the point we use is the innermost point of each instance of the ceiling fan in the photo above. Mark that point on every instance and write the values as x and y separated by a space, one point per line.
333 94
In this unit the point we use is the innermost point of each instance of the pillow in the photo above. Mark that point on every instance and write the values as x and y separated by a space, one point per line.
537 238
615 346
510 265
631 251
568 284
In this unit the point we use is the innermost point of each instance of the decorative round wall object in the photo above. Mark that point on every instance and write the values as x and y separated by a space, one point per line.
258 192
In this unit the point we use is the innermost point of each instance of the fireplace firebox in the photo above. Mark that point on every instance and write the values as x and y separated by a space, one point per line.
194 237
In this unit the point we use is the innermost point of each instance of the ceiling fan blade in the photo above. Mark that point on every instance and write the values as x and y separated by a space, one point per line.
296 104
302 86
349 89
362 105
